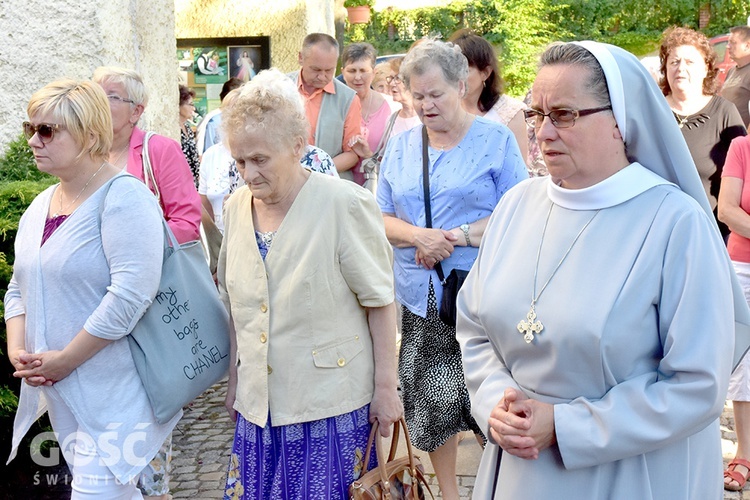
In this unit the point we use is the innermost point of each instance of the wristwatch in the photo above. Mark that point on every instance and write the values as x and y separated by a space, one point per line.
465 229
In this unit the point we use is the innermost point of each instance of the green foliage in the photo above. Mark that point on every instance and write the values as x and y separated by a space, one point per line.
359 3
520 29
8 401
639 44
598 18
726 14
18 163
15 197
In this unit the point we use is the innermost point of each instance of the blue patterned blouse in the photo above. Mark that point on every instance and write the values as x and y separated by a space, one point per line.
466 183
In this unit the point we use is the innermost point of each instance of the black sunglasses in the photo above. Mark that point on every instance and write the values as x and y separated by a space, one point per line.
45 131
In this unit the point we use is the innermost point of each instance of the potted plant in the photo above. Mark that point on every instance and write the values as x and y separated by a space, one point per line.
358 11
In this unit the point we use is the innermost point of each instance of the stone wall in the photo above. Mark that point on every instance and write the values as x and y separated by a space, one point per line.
41 41
286 22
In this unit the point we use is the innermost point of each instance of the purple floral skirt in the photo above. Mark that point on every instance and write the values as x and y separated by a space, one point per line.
317 459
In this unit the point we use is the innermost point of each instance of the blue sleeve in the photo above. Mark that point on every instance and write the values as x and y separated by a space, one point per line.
512 170
211 134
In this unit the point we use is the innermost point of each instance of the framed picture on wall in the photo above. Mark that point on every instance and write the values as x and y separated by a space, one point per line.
206 63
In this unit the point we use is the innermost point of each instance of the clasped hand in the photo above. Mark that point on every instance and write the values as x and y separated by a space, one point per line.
522 427
44 368
433 246
360 147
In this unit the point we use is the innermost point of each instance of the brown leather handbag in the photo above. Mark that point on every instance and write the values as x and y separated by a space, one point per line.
395 478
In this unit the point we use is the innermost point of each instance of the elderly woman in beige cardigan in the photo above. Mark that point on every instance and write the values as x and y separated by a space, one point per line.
305 271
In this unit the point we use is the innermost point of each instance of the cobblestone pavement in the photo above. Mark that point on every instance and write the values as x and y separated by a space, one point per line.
203 438
200 451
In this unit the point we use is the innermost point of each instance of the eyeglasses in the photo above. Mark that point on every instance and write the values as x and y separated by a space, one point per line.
45 131
114 97
560 118
390 79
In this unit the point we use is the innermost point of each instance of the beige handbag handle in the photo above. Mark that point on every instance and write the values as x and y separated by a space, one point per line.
148 172
391 455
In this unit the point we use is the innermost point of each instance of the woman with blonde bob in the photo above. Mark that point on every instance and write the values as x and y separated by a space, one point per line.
88 261
313 327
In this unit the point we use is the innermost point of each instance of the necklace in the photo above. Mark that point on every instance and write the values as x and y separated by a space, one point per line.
64 209
691 121
455 140
531 325
681 120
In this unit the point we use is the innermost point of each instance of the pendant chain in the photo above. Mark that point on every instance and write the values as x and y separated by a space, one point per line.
63 209
535 297
531 325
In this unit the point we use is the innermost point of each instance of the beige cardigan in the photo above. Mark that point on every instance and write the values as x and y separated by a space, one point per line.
304 350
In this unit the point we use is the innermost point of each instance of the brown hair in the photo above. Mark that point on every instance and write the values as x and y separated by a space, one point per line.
359 51
676 37
481 55
185 94
229 85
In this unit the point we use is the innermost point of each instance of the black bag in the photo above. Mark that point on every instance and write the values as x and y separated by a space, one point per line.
452 284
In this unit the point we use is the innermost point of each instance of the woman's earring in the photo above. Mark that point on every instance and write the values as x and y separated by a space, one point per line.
484 84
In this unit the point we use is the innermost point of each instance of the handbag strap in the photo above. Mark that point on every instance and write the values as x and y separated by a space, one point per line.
372 439
426 186
384 139
170 240
368 167
148 171
379 452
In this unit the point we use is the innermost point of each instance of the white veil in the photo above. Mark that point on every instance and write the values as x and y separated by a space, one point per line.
653 139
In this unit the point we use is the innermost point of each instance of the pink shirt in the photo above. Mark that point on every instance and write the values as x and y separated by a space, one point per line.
313 103
737 165
372 130
179 199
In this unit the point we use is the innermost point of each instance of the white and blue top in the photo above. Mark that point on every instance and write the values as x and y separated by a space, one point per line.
466 183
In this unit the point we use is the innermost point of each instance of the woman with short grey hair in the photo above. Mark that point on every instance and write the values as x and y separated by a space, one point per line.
430 53
471 163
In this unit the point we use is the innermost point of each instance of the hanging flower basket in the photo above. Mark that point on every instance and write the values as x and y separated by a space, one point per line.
358 15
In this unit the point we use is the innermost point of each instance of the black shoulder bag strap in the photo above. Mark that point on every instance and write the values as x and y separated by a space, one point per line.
426 184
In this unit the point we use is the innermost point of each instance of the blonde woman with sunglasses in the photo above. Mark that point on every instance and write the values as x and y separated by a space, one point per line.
88 262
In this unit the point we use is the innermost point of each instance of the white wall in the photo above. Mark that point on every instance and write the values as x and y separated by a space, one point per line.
42 40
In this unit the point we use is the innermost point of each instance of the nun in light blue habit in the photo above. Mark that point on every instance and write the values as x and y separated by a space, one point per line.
598 323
